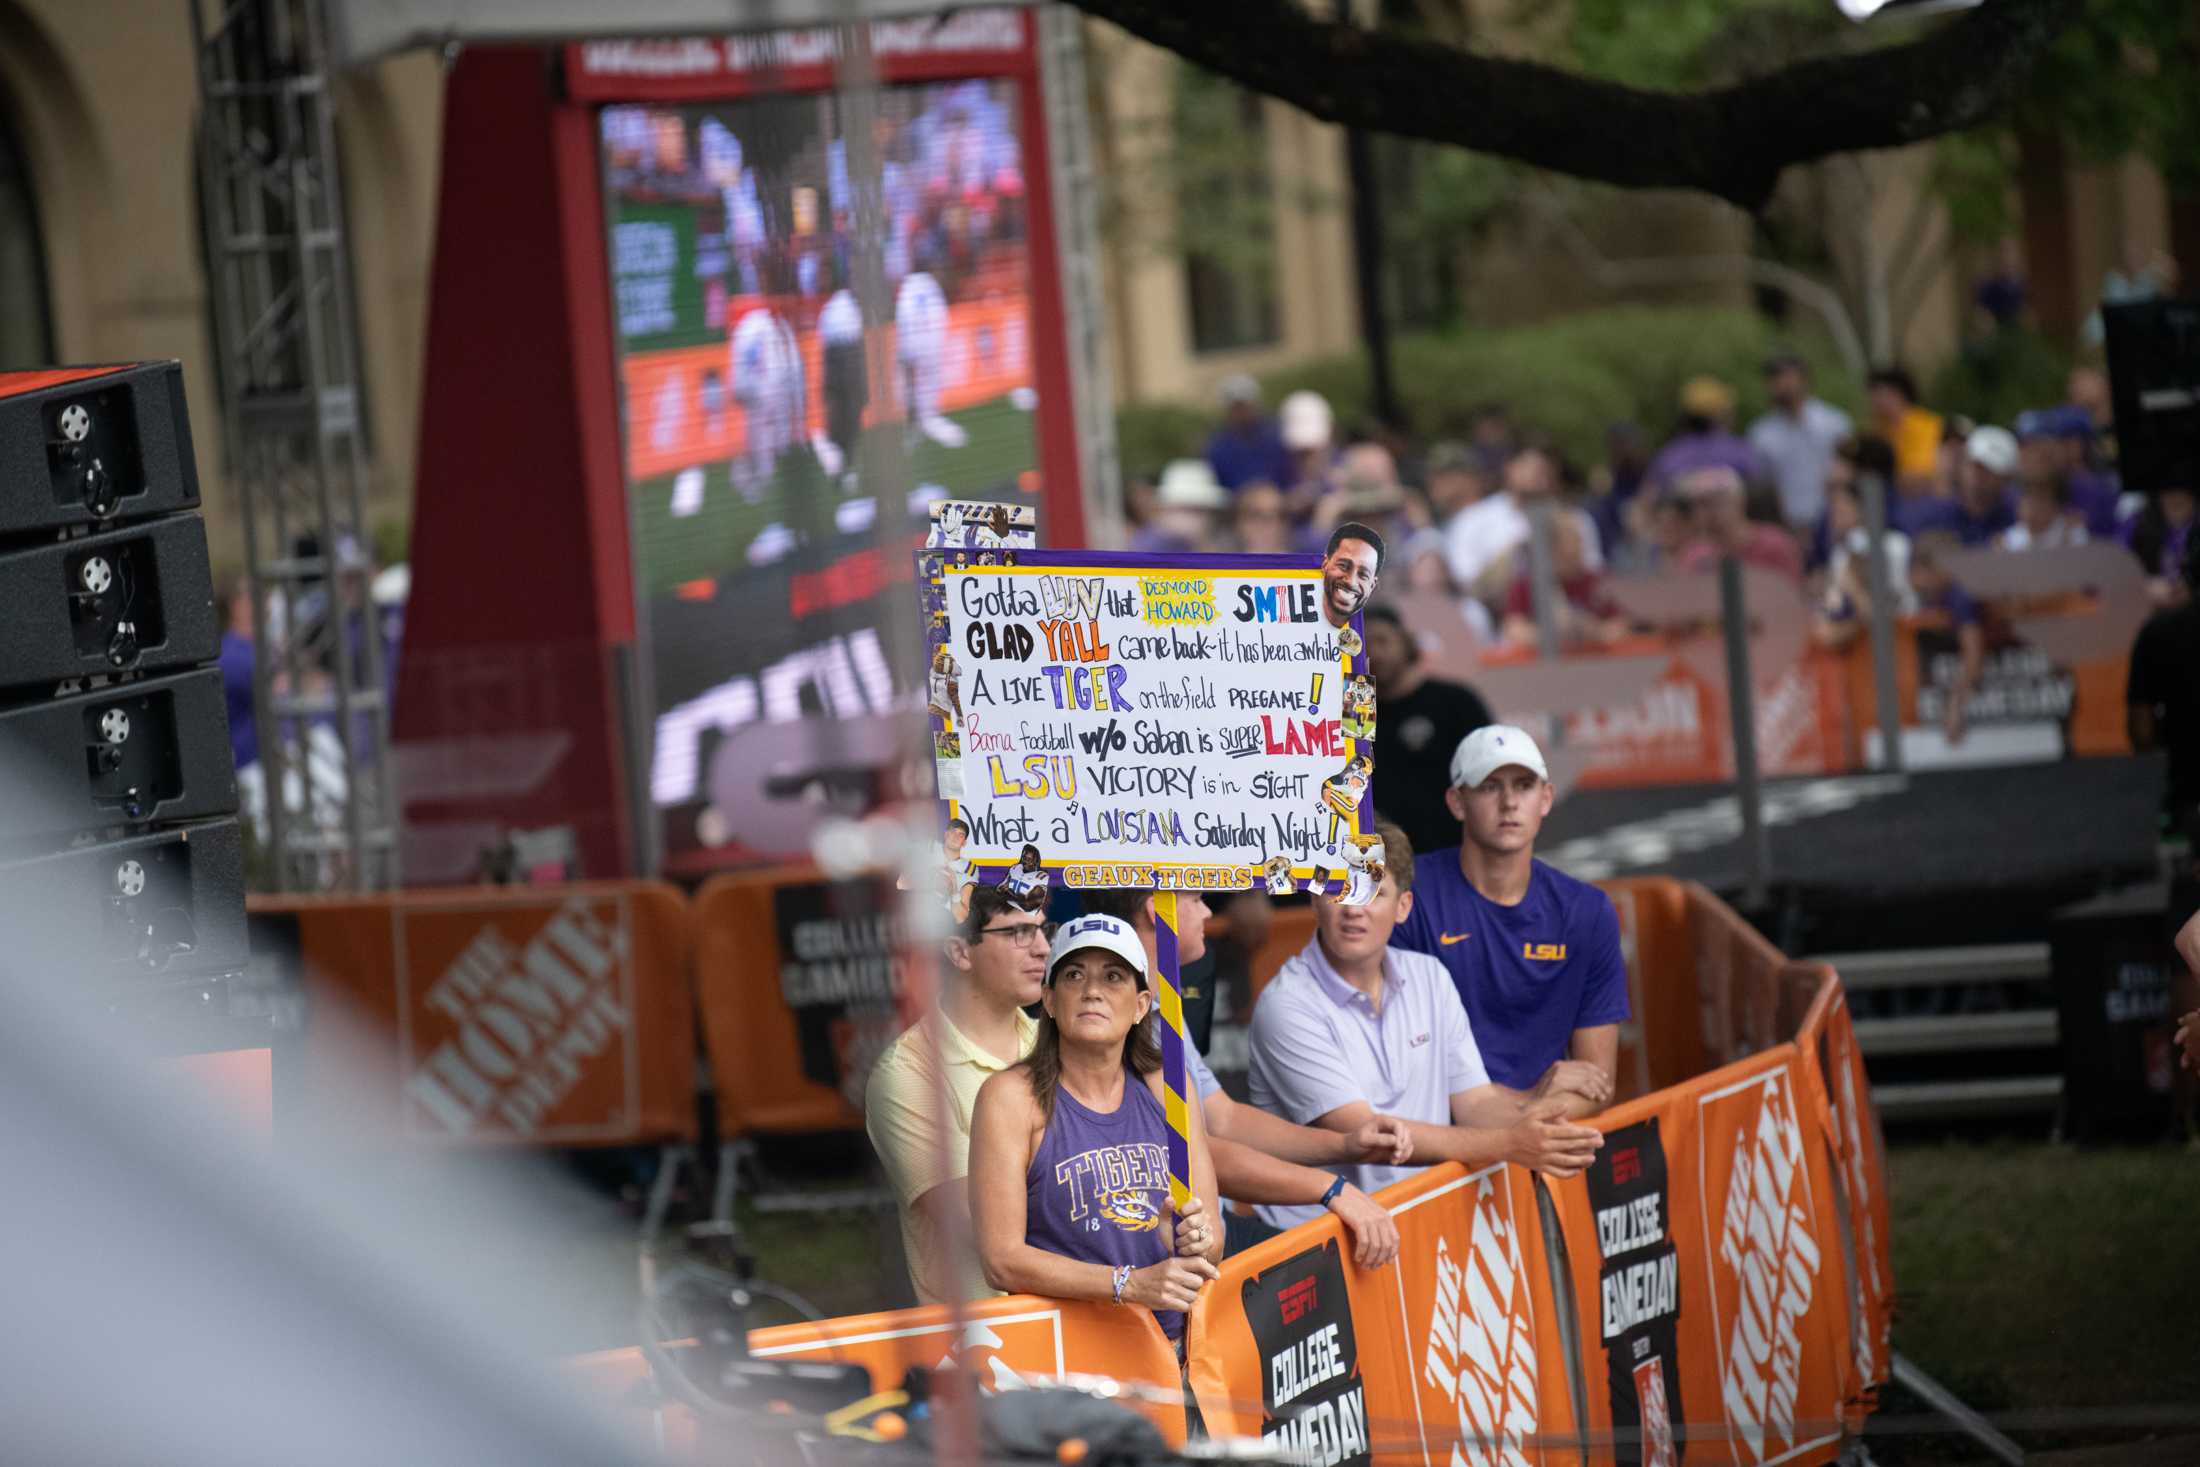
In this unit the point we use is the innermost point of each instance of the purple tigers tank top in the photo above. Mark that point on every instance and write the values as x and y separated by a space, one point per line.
1098 1186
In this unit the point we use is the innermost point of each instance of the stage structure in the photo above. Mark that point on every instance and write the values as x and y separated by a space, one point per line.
290 368
710 329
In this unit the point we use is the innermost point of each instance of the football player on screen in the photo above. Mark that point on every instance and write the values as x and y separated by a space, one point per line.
767 373
920 351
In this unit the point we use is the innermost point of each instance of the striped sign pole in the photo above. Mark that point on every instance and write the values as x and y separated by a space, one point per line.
1174 1086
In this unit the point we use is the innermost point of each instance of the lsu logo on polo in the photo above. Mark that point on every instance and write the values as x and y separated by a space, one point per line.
1543 952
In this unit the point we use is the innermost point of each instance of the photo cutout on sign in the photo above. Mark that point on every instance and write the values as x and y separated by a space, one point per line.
1352 562
1027 880
1343 791
1359 706
943 688
953 873
977 524
993 532
1364 869
947 761
1278 871
1349 643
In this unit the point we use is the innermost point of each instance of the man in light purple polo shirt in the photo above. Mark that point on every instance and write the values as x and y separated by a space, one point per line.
1352 1027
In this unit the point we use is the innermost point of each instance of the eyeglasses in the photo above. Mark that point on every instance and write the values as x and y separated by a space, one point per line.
1021 934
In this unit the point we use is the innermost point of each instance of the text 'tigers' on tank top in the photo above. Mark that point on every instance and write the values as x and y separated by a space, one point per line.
1098 1186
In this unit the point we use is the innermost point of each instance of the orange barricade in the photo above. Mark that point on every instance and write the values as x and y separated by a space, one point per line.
1721 1277
1737 988
1710 1297
1830 1054
1661 1044
1015 1337
1297 1344
800 993
553 1016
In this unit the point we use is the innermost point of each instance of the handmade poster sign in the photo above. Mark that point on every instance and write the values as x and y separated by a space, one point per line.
1167 723
1164 721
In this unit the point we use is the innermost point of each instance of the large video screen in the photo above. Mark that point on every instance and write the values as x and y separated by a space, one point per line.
774 427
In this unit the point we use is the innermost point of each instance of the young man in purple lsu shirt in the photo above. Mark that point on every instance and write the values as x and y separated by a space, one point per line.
1534 953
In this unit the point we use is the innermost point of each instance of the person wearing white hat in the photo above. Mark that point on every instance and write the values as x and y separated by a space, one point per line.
1984 503
1534 953
1188 505
1989 485
1069 1175
1309 439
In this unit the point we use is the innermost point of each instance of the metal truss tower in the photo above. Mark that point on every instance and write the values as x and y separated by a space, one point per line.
279 278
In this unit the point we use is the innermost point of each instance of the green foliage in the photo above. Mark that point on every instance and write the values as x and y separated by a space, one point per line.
1970 173
1995 379
1684 44
1568 378
2118 80
1149 434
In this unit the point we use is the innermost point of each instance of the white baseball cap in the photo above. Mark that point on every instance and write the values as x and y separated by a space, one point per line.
1109 934
1305 420
1992 449
1485 751
1239 388
1188 483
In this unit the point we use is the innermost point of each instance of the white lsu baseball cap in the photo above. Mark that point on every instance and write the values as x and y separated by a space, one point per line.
1485 751
1109 934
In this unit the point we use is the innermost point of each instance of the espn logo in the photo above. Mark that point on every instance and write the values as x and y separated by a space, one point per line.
1543 952
1626 1165
1297 1300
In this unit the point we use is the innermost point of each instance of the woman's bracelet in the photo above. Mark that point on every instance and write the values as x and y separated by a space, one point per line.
1122 1277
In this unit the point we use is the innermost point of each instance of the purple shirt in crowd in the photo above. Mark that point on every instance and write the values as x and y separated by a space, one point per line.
2095 496
1916 517
244 731
1693 451
1318 1044
1241 458
1098 1186
1529 974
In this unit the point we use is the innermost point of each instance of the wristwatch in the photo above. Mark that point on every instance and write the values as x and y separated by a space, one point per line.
1334 1188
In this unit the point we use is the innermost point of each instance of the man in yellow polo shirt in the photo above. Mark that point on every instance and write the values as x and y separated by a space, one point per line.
917 1105
1910 430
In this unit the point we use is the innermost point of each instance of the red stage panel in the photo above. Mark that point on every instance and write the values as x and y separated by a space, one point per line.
667 245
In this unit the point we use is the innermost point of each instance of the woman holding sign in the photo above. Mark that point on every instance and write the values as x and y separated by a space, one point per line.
1069 1159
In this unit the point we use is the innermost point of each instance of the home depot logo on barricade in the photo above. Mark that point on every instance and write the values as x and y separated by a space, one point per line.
1764 1261
1667 727
525 1030
1313 1401
1480 1358
1638 1286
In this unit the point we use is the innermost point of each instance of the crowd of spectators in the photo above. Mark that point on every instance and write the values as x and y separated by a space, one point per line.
1783 493
1460 1003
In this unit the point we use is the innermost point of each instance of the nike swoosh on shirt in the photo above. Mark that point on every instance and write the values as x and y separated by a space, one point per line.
1448 938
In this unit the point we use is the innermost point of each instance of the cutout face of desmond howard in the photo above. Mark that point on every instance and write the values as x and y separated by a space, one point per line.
1350 565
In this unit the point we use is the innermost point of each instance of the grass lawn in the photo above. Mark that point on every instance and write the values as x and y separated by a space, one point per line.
715 540
2041 1278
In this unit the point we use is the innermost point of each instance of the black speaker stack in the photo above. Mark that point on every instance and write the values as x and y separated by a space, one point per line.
121 858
